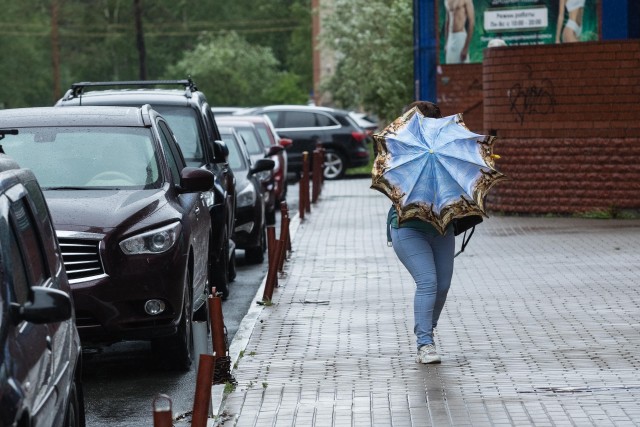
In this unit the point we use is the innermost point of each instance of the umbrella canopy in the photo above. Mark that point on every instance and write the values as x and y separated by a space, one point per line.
434 169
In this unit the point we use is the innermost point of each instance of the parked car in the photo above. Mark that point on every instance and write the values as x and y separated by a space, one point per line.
250 229
257 149
224 111
190 118
308 126
275 150
40 357
130 218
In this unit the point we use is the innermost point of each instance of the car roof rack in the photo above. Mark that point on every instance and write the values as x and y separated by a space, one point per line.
77 89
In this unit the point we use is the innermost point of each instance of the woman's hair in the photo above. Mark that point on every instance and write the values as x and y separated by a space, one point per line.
428 109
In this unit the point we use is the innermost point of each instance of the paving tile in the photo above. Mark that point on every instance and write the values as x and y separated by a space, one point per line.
540 327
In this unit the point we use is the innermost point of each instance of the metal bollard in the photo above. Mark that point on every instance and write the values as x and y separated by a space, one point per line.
162 412
222 370
271 248
284 238
284 209
316 176
271 275
202 399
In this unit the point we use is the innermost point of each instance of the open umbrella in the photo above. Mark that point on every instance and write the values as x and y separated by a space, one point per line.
434 169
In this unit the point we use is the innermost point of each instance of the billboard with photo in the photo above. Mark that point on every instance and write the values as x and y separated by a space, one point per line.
467 27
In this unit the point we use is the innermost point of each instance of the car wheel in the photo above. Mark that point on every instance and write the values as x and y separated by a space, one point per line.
256 255
232 266
219 273
74 416
335 165
179 347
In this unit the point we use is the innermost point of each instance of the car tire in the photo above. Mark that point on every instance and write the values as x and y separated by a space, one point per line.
219 274
255 255
74 414
232 266
179 348
335 165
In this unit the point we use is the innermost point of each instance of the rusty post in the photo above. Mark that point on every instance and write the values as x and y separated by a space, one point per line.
307 190
284 209
202 399
222 370
272 248
162 412
321 168
305 180
284 238
317 170
271 275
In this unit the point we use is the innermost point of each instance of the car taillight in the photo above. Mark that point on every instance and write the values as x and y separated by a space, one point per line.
359 136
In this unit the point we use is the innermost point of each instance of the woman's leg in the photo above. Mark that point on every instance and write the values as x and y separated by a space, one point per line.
414 251
444 248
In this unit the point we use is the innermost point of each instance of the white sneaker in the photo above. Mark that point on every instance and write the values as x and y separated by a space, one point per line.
428 354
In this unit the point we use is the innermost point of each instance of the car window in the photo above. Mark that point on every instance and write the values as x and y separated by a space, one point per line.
170 154
274 116
30 247
299 119
184 124
324 120
18 273
251 139
264 134
235 158
87 157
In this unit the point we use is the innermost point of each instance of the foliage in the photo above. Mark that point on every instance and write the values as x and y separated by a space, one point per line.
373 41
97 42
234 72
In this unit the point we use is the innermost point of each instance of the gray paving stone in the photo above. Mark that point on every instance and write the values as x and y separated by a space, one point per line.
541 327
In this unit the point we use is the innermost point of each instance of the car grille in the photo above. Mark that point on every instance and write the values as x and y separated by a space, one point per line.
81 258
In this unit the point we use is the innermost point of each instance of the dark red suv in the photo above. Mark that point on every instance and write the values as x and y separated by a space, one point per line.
130 217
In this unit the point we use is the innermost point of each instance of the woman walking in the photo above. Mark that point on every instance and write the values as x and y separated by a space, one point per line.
428 255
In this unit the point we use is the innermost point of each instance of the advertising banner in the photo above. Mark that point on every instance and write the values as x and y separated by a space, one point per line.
467 27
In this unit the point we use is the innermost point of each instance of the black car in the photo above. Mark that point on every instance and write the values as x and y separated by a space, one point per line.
130 217
191 120
40 354
250 228
257 149
345 143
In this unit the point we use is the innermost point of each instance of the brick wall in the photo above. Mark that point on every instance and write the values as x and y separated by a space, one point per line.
460 91
568 121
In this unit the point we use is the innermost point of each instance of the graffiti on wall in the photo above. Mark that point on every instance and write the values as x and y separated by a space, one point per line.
531 97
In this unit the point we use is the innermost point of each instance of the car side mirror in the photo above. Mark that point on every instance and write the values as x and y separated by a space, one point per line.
193 180
285 142
47 305
262 165
220 151
274 149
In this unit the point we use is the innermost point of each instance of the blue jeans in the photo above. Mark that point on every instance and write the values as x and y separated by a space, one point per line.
429 259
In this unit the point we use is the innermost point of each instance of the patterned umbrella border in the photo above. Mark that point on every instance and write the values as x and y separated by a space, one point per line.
421 210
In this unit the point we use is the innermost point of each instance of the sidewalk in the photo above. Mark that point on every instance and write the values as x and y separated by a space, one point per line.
541 327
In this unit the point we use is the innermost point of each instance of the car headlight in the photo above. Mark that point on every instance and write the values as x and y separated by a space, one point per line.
152 242
247 196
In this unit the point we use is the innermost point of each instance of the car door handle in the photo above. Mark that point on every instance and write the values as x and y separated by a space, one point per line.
197 210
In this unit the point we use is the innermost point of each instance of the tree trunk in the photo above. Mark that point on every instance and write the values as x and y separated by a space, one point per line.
55 49
137 11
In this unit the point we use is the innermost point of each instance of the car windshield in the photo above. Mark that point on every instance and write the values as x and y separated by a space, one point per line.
184 125
235 159
87 158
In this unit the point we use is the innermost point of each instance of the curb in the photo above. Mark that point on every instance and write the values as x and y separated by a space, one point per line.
241 338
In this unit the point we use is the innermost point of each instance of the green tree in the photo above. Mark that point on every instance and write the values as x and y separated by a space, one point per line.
233 72
373 41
